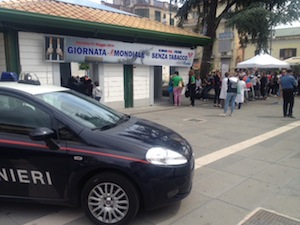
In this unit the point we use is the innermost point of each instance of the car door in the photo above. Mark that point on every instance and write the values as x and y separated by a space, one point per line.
28 169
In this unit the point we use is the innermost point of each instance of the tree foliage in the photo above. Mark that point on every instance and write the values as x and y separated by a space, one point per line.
253 19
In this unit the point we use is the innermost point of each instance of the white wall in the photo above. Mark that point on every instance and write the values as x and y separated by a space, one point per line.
32 58
111 79
141 85
2 54
113 82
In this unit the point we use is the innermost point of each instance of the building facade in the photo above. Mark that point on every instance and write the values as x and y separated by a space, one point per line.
226 52
160 11
284 44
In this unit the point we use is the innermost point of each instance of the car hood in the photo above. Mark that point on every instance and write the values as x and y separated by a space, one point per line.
153 134
139 135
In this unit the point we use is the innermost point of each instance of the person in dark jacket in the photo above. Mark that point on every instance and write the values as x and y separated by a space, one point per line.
263 85
288 84
217 87
192 86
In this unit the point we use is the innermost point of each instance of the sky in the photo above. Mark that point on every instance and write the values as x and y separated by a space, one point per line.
294 24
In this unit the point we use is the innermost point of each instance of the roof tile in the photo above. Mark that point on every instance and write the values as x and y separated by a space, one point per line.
77 12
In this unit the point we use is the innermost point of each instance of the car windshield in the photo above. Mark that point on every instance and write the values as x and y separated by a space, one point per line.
84 110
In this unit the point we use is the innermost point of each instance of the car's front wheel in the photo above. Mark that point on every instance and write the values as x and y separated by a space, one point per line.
110 198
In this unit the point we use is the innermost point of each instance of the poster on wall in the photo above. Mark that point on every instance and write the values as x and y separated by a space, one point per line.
96 50
54 49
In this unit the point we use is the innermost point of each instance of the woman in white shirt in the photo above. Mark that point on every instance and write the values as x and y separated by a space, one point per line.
240 98
224 87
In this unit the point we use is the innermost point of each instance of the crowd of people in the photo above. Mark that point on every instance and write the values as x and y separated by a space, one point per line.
232 90
85 86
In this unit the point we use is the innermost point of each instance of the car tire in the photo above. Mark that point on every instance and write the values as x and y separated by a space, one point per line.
110 198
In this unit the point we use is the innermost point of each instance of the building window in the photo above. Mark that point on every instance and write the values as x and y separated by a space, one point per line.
157 16
286 53
225 42
142 12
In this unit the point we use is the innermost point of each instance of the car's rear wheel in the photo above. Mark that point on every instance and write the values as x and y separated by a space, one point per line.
110 198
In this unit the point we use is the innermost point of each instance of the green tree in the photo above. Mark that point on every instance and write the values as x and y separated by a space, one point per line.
253 20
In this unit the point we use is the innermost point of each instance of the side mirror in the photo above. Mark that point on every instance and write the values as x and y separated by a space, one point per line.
44 134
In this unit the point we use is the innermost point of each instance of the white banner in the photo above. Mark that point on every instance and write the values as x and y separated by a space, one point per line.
95 50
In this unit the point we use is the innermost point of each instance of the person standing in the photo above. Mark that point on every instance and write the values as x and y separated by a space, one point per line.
217 87
256 85
177 88
263 85
275 83
198 87
223 91
231 94
288 84
170 90
97 92
240 98
192 86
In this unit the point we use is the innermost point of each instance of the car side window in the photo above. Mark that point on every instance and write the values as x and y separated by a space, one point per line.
20 117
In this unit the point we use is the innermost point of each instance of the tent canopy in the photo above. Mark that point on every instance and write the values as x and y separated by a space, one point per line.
263 61
293 61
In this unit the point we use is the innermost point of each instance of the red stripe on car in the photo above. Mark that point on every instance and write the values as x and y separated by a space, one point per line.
75 150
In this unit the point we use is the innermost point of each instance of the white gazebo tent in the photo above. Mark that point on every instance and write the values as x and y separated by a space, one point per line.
263 61
293 61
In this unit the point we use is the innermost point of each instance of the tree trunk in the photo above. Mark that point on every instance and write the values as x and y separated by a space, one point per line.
212 25
206 60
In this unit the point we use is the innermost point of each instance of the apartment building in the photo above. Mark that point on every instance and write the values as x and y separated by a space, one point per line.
157 10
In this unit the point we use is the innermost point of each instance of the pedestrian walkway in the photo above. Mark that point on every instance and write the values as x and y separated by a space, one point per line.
243 163
164 104
247 169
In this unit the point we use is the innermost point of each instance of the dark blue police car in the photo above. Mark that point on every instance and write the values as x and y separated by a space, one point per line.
60 147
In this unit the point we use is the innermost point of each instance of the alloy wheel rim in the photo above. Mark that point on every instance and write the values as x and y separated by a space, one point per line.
108 202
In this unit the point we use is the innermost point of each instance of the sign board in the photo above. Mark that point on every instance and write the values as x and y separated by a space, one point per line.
97 50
